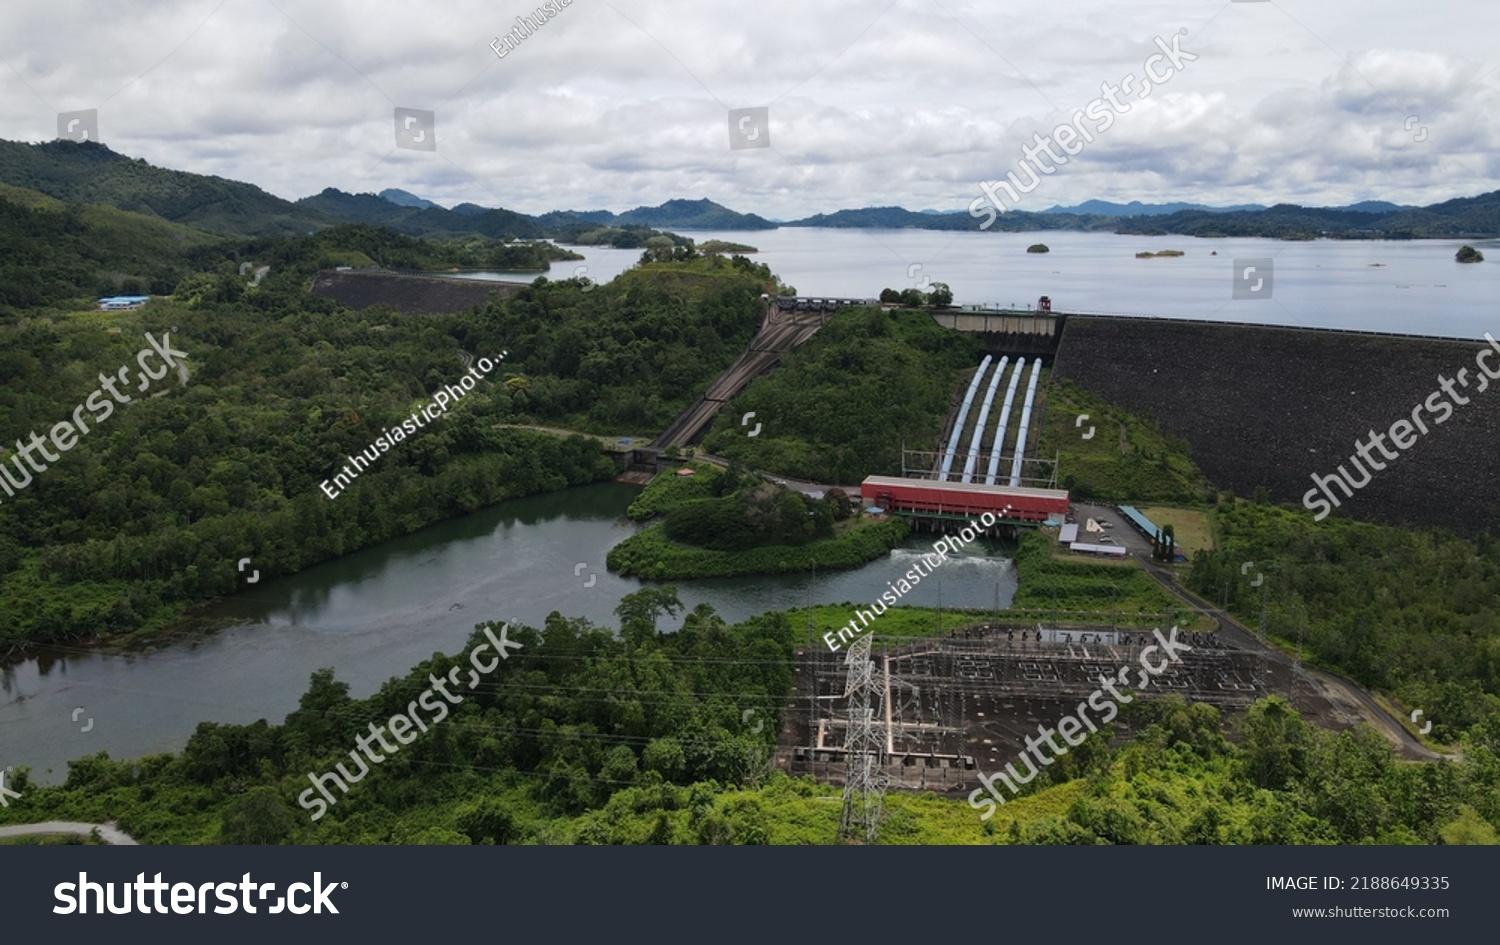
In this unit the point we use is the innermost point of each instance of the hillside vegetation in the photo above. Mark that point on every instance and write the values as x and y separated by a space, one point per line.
88 172
50 251
148 512
1412 613
841 405
1124 458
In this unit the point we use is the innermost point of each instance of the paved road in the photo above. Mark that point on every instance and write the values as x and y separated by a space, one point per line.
108 832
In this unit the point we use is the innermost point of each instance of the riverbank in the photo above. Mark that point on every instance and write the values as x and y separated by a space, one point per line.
391 504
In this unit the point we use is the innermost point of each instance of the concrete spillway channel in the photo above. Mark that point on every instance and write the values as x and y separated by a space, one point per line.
963 416
1015 466
1000 427
984 415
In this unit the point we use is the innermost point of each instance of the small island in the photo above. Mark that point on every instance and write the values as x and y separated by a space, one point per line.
1468 254
724 246
1160 253
1038 248
726 523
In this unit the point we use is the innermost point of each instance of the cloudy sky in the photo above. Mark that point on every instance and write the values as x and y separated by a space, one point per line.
619 103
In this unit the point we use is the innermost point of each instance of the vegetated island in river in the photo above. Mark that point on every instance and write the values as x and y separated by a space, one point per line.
1160 253
729 523
724 246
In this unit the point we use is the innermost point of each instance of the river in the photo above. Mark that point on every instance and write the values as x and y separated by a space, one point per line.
378 612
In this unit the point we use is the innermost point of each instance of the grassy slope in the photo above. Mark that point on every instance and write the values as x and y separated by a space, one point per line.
1127 459
840 406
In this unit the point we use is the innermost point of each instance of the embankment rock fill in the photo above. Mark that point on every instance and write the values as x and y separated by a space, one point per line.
1270 407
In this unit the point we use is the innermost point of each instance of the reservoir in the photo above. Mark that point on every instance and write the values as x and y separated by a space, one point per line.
1403 286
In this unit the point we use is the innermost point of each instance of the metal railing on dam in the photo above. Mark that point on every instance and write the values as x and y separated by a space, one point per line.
1315 329
1049 324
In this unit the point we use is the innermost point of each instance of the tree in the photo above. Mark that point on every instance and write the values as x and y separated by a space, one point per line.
839 500
259 816
1274 743
518 386
638 612
729 483
1470 828
490 821
318 716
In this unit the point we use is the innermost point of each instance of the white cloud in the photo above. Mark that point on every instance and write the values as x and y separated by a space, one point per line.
621 103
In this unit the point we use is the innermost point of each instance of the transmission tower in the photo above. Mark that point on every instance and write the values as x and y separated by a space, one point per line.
864 749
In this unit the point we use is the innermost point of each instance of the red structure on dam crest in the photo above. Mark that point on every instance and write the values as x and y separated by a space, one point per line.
965 500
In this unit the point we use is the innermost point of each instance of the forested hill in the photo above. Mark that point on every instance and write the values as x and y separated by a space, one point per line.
87 172
1467 217
50 250
56 253
420 221
1013 221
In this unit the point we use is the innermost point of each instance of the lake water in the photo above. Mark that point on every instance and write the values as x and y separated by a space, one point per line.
376 613
1410 286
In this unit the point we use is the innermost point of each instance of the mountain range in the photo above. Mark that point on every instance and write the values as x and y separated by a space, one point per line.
92 173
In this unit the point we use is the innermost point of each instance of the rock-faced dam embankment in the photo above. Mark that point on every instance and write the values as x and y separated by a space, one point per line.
1266 406
406 293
